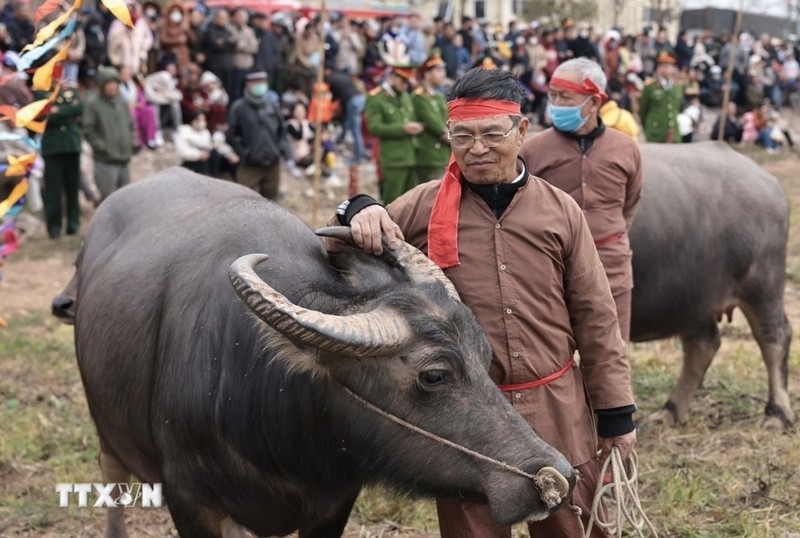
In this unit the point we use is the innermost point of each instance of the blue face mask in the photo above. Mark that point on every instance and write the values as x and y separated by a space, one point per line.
567 118
259 90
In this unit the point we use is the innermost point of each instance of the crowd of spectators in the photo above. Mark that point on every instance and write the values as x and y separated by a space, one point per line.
183 68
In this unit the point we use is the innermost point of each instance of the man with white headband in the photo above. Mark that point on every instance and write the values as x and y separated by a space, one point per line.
522 257
600 168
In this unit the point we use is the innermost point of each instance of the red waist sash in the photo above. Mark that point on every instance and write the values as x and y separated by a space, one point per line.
538 382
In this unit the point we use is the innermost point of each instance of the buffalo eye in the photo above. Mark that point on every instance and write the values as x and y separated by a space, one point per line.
432 377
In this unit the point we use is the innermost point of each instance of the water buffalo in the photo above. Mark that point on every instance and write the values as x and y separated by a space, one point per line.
710 235
246 408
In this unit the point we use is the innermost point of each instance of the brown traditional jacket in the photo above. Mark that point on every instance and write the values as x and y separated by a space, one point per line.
536 286
606 181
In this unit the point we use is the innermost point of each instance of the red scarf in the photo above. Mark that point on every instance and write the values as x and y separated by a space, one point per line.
443 223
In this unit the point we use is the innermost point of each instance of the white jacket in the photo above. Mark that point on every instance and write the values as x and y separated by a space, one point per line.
190 143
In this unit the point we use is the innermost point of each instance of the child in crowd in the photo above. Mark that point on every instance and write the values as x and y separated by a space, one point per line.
196 146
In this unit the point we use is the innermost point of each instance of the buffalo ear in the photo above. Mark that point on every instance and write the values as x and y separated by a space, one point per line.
415 265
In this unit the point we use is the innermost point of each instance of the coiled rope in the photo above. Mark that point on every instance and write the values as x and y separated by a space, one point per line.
625 490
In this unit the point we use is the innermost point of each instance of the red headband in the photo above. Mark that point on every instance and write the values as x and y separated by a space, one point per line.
588 87
471 109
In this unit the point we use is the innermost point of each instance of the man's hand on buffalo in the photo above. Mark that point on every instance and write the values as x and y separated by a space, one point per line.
372 226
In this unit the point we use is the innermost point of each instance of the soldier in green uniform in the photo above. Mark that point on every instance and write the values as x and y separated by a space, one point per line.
661 101
431 110
61 151
390 118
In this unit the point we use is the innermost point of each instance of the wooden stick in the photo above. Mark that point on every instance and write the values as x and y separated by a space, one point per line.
323 13
726 92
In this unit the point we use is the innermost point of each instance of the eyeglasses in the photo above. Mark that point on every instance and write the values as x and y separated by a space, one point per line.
490 140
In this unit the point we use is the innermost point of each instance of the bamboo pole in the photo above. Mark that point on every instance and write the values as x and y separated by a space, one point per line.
323 17
726 92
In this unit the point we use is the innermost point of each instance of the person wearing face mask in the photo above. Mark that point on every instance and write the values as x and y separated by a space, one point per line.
175 36
661 101
258 135
600 168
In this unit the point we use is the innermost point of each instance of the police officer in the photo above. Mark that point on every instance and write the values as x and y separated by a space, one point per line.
61 152
390 118
431 110
661 101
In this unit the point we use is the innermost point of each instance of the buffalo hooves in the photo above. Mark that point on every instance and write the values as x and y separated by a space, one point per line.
773 424
661 419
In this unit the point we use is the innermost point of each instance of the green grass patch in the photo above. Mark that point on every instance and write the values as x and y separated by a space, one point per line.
47 435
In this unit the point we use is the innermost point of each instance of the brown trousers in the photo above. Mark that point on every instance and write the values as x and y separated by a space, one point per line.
472 520
265 180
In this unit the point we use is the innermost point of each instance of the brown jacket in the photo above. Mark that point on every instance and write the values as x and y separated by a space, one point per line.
607 184
536 285
176 38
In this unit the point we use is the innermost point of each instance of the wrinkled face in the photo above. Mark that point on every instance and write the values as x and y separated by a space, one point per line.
590 105
488 165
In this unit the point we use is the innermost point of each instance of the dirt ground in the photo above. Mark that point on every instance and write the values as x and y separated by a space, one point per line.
35 275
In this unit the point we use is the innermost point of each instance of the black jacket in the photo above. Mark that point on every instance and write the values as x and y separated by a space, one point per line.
257 132
219 46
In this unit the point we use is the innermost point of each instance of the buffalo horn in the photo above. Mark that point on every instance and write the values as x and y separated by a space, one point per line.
417 267
380 332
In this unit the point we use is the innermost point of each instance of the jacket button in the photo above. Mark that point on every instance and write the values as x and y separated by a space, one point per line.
63 128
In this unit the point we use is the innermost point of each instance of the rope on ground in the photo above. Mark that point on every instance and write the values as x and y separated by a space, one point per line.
625 490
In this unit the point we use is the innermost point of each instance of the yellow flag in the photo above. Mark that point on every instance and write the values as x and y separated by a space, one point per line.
36 126
29 112
19 190
48 31
43 77
18 167
119 9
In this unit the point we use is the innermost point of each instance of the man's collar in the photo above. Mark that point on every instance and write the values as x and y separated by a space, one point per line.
388 89
518 181
594 133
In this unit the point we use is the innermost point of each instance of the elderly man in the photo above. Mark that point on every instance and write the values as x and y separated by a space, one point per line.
523 259
600 168
258 135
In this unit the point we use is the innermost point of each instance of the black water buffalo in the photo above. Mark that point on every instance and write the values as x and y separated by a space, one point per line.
710 235
257 418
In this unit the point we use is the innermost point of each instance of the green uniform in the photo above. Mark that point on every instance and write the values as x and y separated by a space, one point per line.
386 114
61 152
434 151
659 109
